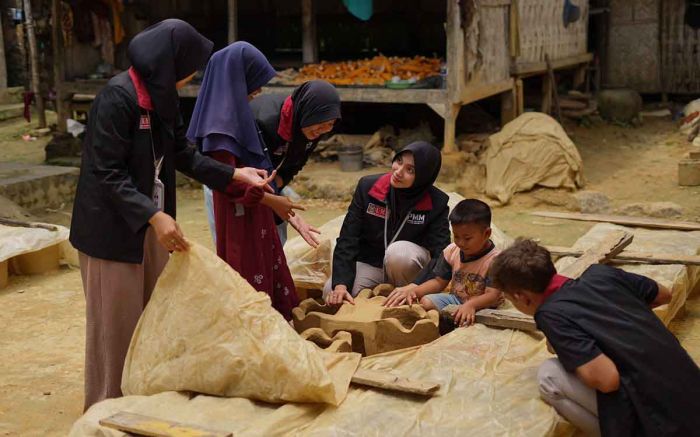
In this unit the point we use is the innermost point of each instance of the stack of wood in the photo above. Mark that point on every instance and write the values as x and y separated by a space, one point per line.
375 71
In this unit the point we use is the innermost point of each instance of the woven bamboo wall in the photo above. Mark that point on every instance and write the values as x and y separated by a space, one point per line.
680 50
486 52
542 31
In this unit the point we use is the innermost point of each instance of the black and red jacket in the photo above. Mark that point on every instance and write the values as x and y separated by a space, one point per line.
362 235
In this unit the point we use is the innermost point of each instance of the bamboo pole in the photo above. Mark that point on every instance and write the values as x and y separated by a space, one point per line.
309 46
3 65
58 65
232 21
34 55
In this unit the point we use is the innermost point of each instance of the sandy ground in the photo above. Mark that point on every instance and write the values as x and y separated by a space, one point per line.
42 316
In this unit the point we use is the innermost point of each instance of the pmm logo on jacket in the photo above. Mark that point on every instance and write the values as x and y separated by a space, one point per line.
145 122
416 219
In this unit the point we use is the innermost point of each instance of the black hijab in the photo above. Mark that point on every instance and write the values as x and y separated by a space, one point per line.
315 101
427 159
164 54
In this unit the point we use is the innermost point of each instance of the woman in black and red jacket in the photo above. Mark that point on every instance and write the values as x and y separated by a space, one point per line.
395 224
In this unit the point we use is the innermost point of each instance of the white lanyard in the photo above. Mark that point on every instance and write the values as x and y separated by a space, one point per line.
386 225
158 187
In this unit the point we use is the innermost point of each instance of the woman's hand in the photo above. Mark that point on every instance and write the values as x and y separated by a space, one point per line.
402 295
168 232
255 177
307 232
339 295
281 205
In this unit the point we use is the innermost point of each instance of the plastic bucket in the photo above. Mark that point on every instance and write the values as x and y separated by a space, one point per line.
350 158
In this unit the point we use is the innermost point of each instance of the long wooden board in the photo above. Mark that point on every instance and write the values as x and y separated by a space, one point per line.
506 319
388 381
150 426
639 222
613 243
635 257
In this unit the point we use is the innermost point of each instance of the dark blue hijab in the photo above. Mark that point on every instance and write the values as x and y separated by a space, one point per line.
222 118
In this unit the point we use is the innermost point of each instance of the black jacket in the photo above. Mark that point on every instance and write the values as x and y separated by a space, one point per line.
292 155
113 199
362 235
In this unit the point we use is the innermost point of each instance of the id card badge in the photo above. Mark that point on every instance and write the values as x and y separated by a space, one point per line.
158 193
158 196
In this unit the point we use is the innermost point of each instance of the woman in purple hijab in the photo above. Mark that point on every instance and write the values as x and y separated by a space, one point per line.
223 126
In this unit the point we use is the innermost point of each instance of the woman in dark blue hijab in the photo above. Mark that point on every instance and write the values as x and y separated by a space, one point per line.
223 126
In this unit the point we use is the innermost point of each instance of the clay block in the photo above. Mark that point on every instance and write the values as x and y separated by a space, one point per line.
694 153
340 342
41 261
3 274
373 328
689 172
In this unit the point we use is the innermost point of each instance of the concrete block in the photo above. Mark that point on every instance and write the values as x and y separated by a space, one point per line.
41 261
37 186
4 274
373 328
689 172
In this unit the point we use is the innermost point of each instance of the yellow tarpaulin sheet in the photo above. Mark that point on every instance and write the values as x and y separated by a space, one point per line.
531 150
207 330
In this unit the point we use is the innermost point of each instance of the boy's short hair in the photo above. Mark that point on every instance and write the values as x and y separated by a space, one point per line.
525 265
470 211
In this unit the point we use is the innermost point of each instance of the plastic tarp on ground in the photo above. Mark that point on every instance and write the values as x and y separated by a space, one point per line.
207 330
531 150
312 267
19 240
680 279
487 377
488 388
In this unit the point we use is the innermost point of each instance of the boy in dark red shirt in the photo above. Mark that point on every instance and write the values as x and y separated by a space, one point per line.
620 371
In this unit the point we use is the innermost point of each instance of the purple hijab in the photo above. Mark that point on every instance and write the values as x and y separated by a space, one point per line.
222 118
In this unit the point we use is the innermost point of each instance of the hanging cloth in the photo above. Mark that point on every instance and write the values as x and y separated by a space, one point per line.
361 9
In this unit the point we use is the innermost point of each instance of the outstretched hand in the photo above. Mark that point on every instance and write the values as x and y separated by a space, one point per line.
255 177
308 233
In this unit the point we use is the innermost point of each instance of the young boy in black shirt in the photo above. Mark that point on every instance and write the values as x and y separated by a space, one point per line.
619 371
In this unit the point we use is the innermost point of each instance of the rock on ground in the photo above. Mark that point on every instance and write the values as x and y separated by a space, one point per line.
592 202
652 209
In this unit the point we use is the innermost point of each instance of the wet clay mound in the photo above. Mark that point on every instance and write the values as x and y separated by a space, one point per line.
340 342
373 328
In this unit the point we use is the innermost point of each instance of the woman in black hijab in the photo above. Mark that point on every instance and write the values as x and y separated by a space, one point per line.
395 224
291 127
123 217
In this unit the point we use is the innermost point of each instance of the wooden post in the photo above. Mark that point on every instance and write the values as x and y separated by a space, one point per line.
58 65
519 96
34 55
3 65
455 74
309 45
232 21
509 105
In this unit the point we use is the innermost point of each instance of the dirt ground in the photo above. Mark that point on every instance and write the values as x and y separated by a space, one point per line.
42 318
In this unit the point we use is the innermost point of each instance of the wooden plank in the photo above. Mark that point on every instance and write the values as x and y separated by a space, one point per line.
526 68
638 257
23 224
553 84
150 426
474 91
613 243
388 381
506 319
372 95
640 222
